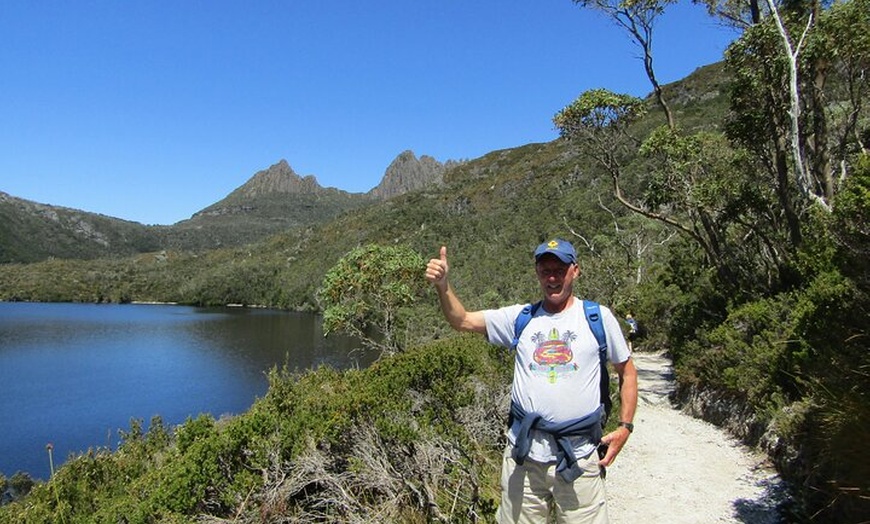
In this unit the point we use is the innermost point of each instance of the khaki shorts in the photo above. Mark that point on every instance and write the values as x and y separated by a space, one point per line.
531 492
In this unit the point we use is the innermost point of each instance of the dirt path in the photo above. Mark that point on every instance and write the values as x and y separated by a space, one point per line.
676 469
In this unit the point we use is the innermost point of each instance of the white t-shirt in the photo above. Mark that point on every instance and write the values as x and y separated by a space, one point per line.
556 370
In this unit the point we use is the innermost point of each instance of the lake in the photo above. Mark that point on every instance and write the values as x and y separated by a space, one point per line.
74 374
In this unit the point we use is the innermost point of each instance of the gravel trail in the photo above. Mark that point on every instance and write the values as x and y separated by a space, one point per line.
677 469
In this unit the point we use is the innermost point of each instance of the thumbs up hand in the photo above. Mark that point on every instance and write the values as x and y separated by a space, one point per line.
437 268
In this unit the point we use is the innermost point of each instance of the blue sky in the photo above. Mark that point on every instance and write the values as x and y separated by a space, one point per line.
152 110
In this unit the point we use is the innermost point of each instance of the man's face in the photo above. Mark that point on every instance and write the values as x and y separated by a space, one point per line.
556 279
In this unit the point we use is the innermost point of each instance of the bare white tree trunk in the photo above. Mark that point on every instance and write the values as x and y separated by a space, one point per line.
802 173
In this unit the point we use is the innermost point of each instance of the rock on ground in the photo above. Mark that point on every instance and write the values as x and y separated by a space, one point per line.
677 469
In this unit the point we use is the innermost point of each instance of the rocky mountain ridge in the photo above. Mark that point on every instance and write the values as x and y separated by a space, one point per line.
272 200
277 179
408 173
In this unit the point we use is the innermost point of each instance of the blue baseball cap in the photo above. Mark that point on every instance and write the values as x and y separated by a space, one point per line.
558 247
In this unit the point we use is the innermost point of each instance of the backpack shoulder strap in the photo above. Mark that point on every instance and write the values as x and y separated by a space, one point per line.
522 321
593 318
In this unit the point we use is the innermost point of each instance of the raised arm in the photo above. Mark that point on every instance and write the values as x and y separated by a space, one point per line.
455 313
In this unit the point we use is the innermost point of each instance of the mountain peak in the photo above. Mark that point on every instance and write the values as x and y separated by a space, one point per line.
278 178
408 173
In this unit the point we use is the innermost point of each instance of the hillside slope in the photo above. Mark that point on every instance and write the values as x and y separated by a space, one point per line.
30 231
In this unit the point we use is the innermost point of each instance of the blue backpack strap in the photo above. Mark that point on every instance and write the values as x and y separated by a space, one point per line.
522 321
593 318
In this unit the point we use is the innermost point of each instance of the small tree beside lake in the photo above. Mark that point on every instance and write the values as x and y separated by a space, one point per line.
363 294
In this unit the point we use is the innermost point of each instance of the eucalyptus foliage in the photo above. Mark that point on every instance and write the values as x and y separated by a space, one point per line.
364 293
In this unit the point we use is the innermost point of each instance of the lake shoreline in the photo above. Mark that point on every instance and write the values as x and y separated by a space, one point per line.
75 372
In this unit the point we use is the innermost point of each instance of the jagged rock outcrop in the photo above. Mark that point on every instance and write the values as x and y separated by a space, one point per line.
278 178
271 201
408 173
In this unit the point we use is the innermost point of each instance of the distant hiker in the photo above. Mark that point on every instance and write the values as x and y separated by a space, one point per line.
557 404
632 330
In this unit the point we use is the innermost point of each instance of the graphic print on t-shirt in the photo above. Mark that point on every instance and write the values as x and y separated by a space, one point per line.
553 356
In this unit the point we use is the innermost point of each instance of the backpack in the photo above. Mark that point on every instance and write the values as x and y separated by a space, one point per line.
593 318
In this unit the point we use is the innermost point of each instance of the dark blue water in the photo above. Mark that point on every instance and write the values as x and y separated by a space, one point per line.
74 374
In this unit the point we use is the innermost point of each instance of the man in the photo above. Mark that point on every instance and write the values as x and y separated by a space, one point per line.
550 463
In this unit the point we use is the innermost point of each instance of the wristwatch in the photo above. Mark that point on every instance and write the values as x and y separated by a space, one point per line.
627 425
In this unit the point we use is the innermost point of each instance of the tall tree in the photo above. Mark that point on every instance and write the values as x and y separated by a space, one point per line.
638 17
797 100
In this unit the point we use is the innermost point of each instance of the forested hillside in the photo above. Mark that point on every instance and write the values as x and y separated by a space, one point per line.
728 212
30 232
